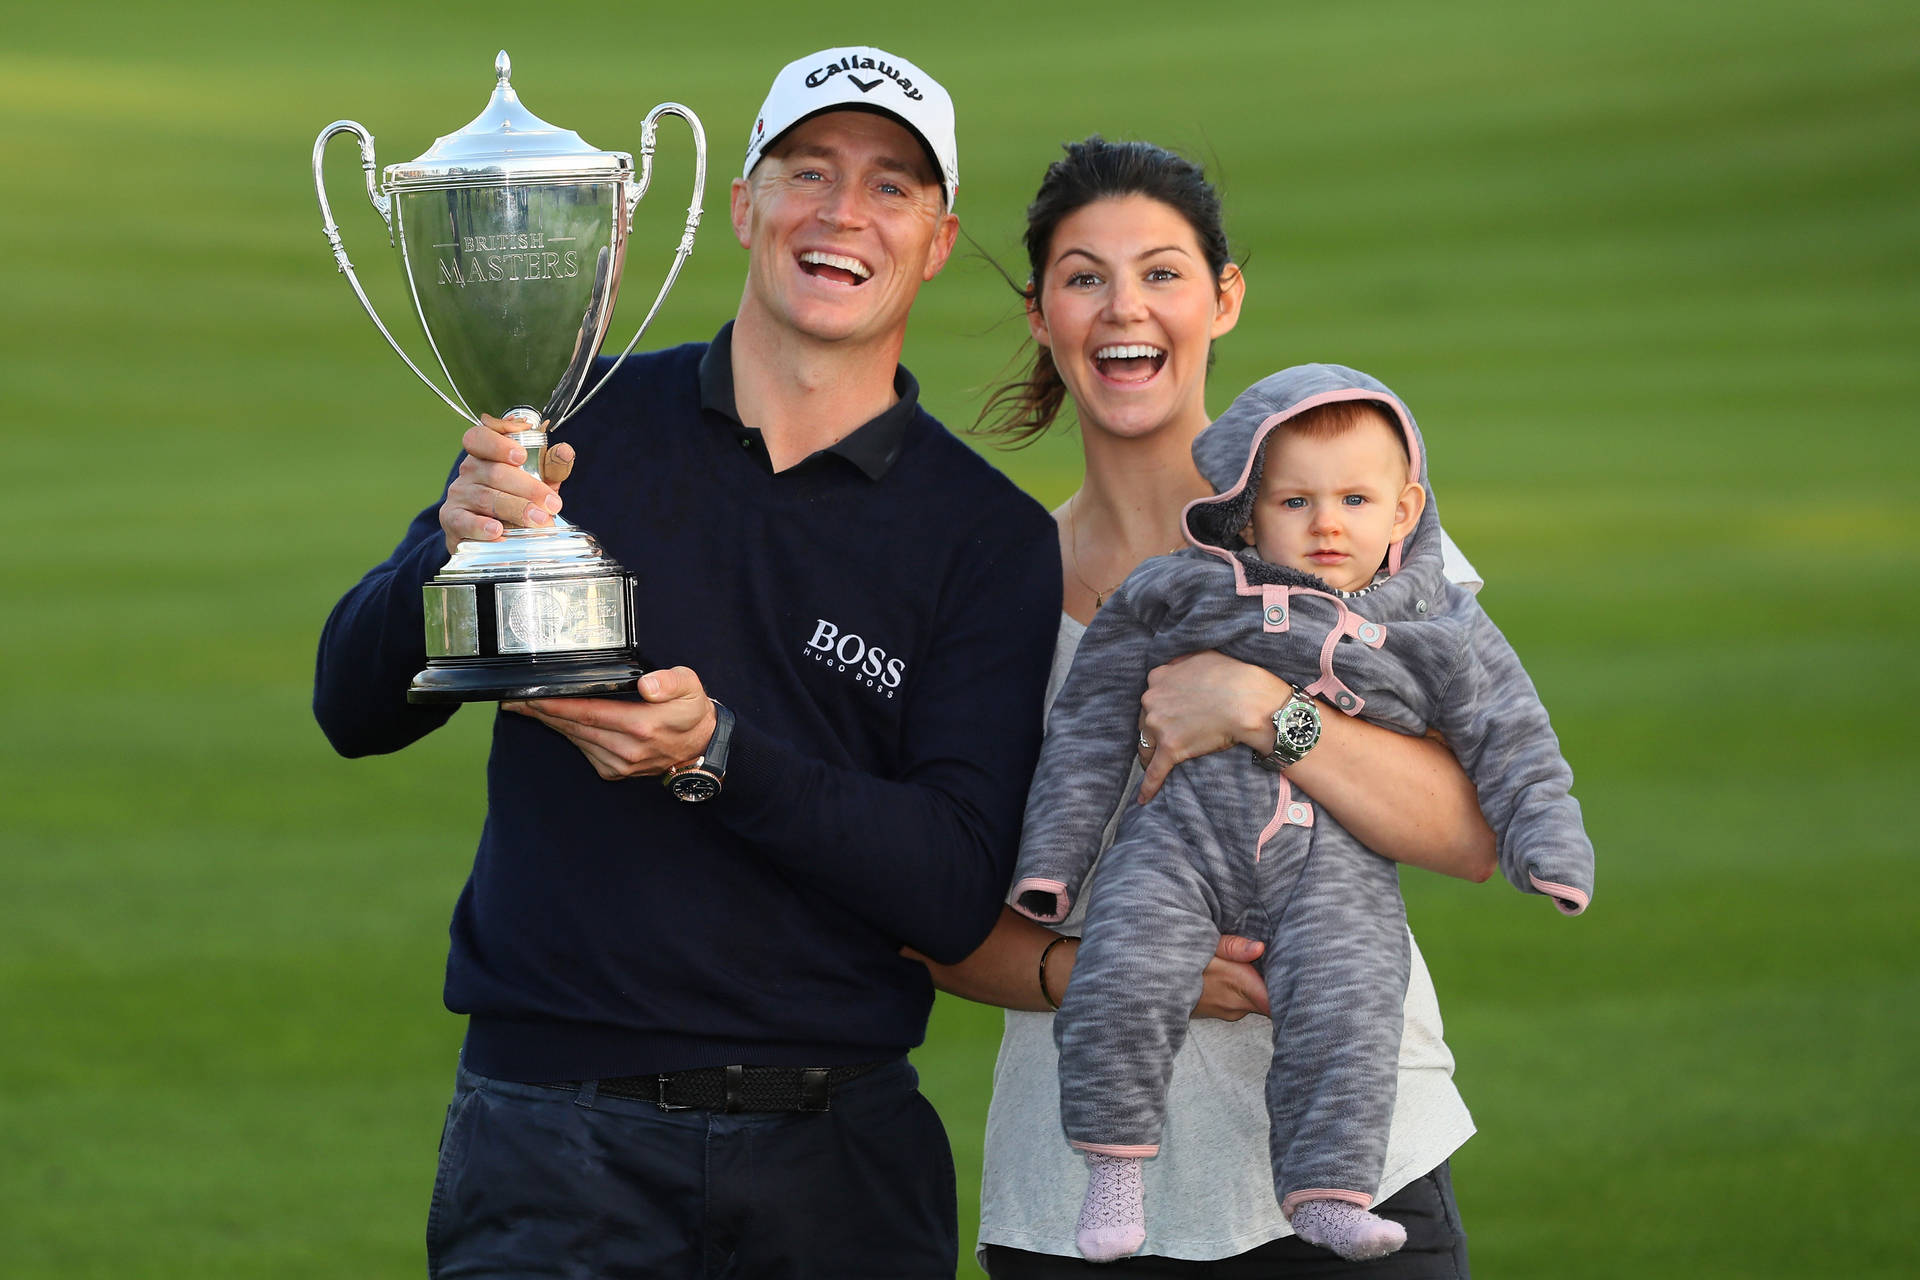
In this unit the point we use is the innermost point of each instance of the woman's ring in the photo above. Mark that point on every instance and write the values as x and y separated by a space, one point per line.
1145 745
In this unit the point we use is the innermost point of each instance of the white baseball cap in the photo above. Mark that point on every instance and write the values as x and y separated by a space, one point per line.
860 79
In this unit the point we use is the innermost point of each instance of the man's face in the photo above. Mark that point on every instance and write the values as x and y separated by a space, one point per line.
1332 507
843 221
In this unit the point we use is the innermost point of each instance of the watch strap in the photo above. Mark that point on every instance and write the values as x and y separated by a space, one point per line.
715 756
703 777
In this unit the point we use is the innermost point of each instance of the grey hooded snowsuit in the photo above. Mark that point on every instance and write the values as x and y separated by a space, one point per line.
1228 847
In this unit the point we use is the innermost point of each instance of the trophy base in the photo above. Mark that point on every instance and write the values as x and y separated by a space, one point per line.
518 618
510 680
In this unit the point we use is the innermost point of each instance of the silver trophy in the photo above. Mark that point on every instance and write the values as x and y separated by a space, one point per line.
511 234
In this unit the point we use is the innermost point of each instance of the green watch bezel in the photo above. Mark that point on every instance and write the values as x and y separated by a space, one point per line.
1296 728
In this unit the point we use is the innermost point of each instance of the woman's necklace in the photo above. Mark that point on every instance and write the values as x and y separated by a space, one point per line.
1073 548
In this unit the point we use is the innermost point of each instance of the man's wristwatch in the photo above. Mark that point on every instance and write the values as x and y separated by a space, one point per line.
1296 727
702 777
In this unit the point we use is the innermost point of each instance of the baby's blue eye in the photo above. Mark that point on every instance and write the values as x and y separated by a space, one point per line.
1293 503
1354 500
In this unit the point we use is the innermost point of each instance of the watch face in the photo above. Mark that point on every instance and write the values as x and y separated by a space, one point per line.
1300 728
694 786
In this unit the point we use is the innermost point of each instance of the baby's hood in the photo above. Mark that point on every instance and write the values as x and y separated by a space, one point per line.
1228 454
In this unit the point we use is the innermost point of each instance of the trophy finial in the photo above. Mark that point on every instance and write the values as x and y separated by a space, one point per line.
502 66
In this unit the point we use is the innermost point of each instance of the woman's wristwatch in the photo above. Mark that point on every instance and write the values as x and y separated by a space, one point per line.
702 777
1296 727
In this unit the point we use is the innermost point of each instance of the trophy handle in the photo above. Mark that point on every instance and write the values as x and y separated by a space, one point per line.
648 138
383 206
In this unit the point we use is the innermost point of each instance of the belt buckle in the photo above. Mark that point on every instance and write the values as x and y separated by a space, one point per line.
660 1093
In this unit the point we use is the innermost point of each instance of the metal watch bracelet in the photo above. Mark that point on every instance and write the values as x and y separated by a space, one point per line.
1296 728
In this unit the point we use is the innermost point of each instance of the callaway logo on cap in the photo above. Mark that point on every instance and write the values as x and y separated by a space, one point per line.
864 79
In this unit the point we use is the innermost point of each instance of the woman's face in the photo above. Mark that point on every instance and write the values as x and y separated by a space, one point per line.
1129 308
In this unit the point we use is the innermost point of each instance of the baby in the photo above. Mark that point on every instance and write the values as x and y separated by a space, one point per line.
1322 564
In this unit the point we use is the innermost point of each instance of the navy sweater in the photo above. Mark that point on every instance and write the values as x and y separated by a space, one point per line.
884 642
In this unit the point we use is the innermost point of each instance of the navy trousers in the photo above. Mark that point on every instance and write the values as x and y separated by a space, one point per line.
543 1182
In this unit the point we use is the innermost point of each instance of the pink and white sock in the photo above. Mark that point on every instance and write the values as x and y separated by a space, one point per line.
1347 1229
1113 1217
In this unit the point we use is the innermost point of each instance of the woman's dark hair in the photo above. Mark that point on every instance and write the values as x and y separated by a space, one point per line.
1020 411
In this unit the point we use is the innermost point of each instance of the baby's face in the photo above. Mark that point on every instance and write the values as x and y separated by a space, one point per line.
1332 507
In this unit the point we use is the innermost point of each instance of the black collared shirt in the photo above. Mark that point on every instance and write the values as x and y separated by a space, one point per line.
872 446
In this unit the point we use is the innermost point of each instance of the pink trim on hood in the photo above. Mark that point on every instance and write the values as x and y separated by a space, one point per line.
1416 470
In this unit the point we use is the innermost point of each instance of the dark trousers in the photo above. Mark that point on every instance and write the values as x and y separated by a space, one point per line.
537 1181
1436 1249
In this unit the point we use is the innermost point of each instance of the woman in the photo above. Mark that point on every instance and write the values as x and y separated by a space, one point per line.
1131 282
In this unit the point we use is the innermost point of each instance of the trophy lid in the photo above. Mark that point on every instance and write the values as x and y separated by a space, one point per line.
506 143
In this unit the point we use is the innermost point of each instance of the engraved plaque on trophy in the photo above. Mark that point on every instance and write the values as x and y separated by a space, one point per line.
511 235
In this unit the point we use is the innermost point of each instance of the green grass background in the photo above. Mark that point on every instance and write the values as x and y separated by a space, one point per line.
1647 272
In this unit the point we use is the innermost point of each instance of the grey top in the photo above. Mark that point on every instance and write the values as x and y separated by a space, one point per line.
1211 1186
1414 653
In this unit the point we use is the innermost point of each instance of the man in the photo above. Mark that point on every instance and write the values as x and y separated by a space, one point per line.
688 1021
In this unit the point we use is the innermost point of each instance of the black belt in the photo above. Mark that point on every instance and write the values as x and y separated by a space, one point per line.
732 1088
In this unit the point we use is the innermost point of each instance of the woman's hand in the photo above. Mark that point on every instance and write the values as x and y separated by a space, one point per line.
492 490
1203 703
1405 798
1231 988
